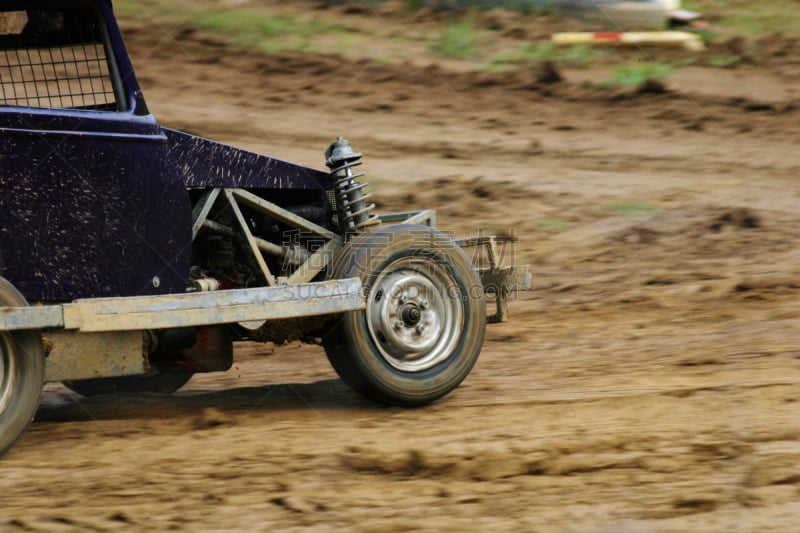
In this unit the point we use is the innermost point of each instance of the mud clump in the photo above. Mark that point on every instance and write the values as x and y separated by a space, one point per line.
741 218
638 235
483 190
651 86
548 73
211 417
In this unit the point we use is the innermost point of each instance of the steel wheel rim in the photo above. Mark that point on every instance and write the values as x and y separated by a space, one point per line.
415 314
8 371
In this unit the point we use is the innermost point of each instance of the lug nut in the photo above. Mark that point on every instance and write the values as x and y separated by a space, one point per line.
399 324
420 329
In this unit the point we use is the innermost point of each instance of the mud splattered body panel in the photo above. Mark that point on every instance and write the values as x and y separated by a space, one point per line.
94 195
90 215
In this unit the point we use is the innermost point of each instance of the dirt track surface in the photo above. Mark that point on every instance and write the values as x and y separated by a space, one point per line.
648 383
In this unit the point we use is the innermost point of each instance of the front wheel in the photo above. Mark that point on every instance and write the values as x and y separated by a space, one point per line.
425 317
21 373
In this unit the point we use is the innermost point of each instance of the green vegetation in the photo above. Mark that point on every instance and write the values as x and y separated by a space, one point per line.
633 209
459 36
263 30
126 9
552 224
763 23
260 29
250 26
158 10
413 5
726 61
751 18
631 76
578 55
458 39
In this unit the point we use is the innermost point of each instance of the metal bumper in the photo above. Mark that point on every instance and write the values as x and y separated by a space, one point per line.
502 283
191 309
498 280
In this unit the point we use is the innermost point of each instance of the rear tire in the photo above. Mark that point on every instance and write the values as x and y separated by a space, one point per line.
425 317
21 373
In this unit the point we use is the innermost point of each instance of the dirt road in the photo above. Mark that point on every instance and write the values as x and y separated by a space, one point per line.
648 383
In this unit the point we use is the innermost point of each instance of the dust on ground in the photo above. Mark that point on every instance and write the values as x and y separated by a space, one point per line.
648 383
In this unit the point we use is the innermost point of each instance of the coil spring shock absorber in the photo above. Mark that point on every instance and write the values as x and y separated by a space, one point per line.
351 199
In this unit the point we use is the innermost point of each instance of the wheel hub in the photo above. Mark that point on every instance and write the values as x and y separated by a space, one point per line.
411 314
412 320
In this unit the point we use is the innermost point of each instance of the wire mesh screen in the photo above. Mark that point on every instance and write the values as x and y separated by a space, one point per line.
54 58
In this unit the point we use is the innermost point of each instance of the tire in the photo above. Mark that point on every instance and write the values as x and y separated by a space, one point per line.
425 317
21 374
155 383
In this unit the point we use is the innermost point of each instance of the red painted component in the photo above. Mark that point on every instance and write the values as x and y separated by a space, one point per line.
213 351
608 35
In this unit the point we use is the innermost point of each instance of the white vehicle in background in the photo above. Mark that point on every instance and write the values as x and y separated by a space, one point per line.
624 15
618 15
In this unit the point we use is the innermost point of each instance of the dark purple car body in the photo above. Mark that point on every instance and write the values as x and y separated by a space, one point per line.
97 200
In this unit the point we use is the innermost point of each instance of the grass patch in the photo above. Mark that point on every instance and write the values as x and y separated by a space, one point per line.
762 23
727 61
750 18
552 224
263 30
414 5
257 29
250 26
631 76
578 55
126 9
633 209
458 39
150 10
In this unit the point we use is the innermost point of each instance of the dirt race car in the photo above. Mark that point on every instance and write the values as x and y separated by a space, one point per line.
133 256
